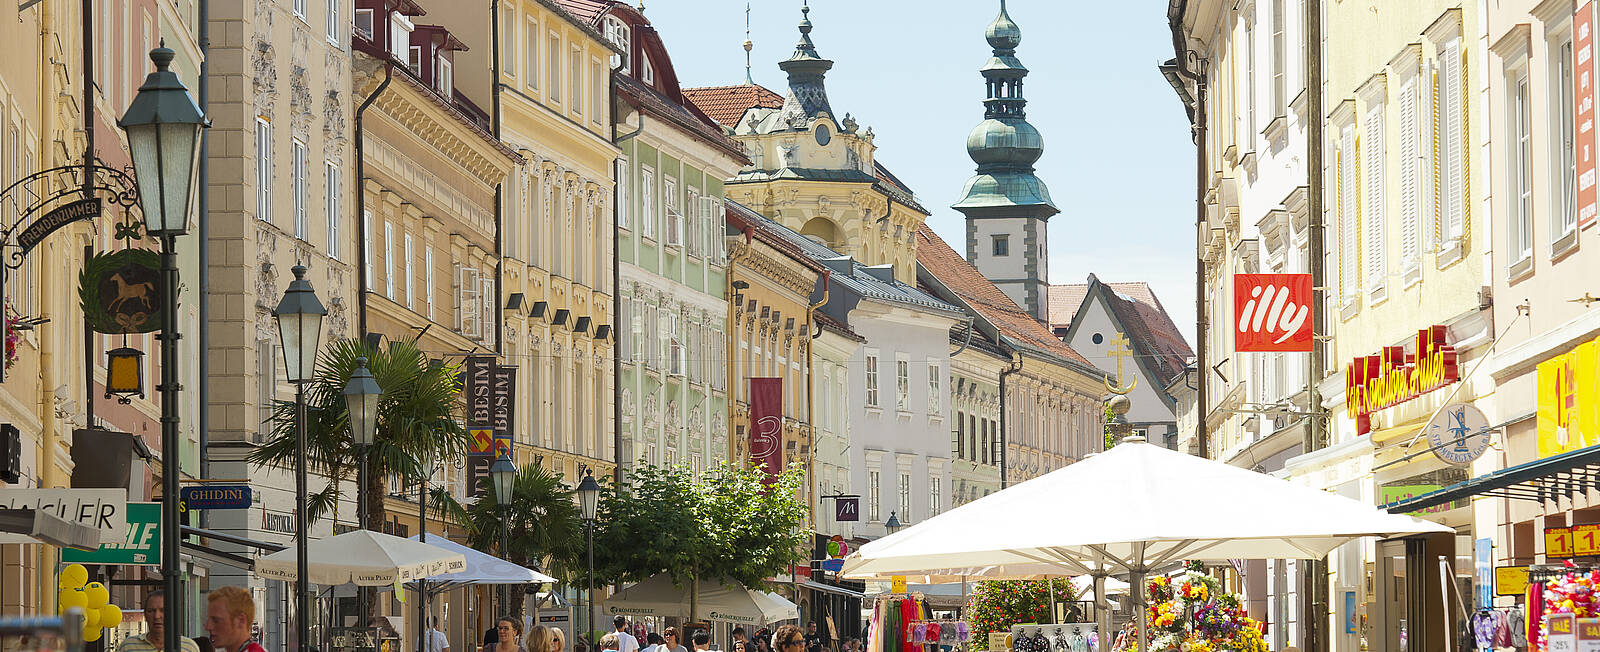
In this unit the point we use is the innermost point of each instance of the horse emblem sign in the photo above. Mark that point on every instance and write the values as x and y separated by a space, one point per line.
119 291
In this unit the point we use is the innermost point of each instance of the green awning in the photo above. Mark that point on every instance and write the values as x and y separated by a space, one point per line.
1540 480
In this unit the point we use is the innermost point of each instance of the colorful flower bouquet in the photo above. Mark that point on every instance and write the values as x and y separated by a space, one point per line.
1193 614
1576 593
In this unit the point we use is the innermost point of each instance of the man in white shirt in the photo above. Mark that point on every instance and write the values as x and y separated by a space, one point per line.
437 641
625 641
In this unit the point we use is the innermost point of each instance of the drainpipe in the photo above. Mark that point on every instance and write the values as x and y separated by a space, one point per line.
616 289
361 198
203 333
494 62
727 280
1016 367
1197 121
1317 631
499 189
811 324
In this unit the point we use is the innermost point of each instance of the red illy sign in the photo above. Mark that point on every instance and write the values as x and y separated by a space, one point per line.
1272 312
1393 376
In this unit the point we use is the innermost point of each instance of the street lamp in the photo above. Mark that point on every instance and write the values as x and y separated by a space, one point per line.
299 317
361 394
892 525
163 125
504 475
589 499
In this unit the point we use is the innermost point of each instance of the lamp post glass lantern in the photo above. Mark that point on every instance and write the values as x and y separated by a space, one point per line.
893 525
299 315
503 474
589 500
361 395
163 125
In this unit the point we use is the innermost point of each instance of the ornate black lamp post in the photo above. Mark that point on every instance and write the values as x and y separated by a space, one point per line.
163 125
299 317
361 396
589 500
504 475
893 525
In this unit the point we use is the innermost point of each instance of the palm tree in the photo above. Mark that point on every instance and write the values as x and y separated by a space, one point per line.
416 422
543 522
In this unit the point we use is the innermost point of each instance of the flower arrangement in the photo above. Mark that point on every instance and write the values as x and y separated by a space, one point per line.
1194 614
13 335
996 605
1575 593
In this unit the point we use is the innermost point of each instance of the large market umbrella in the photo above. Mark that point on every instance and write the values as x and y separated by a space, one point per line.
658 596
363 558
1131 509
479 568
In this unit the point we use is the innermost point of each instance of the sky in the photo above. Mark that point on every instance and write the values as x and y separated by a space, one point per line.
1118 158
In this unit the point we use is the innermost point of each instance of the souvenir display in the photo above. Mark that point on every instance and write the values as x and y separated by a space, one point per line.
1060 637
1191 613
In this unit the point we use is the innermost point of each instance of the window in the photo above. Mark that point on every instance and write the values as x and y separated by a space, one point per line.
298 167
575 62
266 386
366 245
444 78
554 63
669 190
985 449
623 221
1002 245
637 325
596 93
675 362
691 233
400 28
1410 178
647 201
1519 229
263 169
935 399
1349 261
905 498
468 314
411 273
874 495
618 33
647 72
333 21
1280 65
428 287
388 259
1249 85
530 50
335 234
902 382
934 504
363 23
972 438
1564 217
1451 154
961 436
300 9
508 35
872 379
1374 150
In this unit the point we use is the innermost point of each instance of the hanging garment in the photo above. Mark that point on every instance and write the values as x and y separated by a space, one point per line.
1094 640
1516 621
1483 626
1535 613
1502 629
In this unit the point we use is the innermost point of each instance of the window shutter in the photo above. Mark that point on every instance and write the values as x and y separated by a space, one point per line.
1433 233
1348 259
461 298
1453 186
486 309
1464 173
1409 197
1376 269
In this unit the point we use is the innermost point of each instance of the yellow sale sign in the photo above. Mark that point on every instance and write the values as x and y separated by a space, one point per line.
1569 414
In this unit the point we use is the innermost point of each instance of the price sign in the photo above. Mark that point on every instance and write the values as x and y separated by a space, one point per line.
897 584
1563 633
1558 542
1586 540
1510 580
1589 635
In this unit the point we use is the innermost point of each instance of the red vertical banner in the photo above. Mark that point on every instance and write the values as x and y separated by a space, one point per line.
766 425
1583 110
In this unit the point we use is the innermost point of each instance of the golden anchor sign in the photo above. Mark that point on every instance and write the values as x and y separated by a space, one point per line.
1120 350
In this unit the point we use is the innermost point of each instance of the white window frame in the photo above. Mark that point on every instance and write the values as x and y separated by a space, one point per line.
575 81
1563 150
935 393
388 259
331 176
874 495
691 223
263 169
553 63
904 501
623 182
366 245
1280 59
444 76
298 179
334 31
902 382
1519 168
508 29
530 54
299 9
468 315
935 505
411 273
1410 159
621 36
400 28
871 362
647 201
428 286
669 195
1374 207
1453 208
1350 242
364 17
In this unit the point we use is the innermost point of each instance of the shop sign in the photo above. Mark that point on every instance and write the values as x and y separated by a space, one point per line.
141 545
277 522
233 496
897 584
1392 377
1589 635
1510 580
1458 434
504 410
847 509
1272 312
105 510
1569 412
1563 633
1394 493
1558 542
766 425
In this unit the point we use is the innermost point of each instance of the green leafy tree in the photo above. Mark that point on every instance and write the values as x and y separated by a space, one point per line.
726 525
1105 423
416 422
996 605
544 527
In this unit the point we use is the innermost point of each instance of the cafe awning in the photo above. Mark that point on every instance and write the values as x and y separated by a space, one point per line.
1540 480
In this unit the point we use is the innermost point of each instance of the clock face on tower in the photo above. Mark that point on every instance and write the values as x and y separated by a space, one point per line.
823 136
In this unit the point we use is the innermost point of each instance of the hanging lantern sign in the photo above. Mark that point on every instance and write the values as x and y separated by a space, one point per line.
124 374
120 291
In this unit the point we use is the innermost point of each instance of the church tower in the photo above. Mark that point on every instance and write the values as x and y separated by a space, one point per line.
1006 205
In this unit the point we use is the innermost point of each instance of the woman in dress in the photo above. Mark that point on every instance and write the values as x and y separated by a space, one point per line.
509 630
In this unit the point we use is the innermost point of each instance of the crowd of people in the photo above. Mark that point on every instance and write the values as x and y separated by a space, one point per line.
507 636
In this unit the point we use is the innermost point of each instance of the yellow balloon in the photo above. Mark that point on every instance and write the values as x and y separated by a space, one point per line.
110 616
92 635
70 598
97 594
73 576
91 619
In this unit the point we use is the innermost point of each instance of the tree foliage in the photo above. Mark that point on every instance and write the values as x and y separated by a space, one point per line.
996 605
726 524
1105 423
543 526
416 422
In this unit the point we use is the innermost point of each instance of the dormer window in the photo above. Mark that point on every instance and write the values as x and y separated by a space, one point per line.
364 23
621 36
647 73
414 60
444 77
400 29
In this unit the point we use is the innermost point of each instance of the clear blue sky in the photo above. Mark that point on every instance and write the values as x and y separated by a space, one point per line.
1118 158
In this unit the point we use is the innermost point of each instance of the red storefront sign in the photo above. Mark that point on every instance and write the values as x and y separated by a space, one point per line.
1272 312
766 425
1376 382
1583 110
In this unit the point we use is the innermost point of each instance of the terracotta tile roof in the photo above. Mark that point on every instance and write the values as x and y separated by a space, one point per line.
1154 337
726 104
981 295
587 10
1065 299
685 117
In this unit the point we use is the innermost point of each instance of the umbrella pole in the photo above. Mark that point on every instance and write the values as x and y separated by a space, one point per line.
1138 590
1102 616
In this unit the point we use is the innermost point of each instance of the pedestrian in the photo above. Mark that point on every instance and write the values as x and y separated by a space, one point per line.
538 639
155 638
671 641
739 639
612 640
229 610
508 632
702 641
437 641
557 640
813 639
625 641
788 639
653 642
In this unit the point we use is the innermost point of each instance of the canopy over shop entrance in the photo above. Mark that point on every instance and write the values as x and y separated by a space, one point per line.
730 602
1132 509
1551 478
